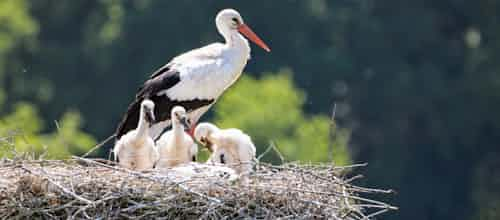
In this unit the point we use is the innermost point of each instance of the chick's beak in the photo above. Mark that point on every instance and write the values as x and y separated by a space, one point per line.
206 143
185 122
150 116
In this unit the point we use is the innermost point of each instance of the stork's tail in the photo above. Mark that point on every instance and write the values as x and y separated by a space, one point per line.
130 119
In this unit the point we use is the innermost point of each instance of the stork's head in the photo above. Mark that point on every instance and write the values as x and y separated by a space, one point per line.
180 118
147 109
234 149
229 21
203 132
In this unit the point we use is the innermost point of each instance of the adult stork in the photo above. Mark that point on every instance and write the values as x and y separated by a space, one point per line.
195 79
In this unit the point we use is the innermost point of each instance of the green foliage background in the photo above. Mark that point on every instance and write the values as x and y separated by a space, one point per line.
270 110
415 82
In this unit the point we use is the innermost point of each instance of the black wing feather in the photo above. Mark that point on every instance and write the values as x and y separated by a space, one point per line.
163 79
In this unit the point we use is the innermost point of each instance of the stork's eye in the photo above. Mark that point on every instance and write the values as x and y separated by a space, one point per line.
235 20
222 159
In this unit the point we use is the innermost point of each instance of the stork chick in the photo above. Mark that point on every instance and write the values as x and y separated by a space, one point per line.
227 146
176 146
136 150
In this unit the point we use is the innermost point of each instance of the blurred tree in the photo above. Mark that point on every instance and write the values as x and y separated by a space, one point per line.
270 110
17 32
486 189
21 131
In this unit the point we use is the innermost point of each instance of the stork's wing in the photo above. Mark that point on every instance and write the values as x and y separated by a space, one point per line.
162 79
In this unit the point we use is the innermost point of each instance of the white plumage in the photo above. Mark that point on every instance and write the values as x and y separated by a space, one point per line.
176 146
136 150
228 146
206 72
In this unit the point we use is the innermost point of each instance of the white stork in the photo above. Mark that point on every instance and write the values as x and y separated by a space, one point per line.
136 150
196 78
175 146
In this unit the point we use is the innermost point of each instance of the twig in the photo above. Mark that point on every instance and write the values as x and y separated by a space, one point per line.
272 146
354 178
98 145
350 166
275 148
268 149
332 133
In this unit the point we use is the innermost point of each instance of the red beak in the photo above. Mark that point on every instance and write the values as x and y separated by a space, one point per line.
245 30
191 132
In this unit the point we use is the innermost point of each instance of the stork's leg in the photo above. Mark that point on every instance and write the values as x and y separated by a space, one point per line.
195 116
191 130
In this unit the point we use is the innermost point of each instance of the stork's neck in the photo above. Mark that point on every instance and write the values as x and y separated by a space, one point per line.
177 129
142 128
235 41
176 141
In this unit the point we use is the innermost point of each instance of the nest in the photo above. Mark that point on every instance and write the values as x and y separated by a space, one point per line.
82 188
